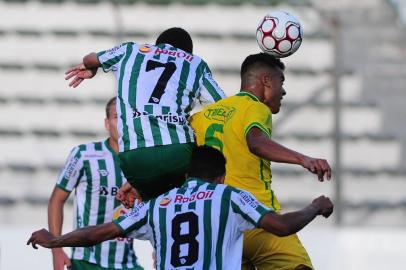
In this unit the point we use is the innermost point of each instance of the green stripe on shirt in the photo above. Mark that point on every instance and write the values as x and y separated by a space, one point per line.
125 137
224 210
207 229
88 202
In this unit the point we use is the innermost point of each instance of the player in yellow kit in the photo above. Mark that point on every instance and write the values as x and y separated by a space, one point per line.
241 126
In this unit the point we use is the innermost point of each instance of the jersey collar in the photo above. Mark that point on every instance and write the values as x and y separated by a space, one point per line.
247 94
193 179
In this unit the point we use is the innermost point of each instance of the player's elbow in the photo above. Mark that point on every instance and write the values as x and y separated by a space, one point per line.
281 230
275 224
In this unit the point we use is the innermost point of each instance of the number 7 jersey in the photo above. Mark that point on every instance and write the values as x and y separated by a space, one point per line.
157 86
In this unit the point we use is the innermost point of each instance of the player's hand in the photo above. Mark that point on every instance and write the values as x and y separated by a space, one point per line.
80 73
127 195
324 205
60 259
42 238
317 166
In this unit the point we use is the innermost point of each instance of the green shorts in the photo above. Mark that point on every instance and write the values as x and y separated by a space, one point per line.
156 170
84 265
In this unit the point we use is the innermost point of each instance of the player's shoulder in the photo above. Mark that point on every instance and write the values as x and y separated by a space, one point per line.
236 103
119 48
98 149
125 44
227 191
251 103
243 197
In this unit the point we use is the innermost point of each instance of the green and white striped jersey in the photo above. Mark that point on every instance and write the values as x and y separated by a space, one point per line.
197 226
157 86
93 170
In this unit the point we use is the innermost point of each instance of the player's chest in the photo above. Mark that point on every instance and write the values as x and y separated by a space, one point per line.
101 176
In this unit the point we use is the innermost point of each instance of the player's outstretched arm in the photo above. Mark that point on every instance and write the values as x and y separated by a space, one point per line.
84 237
262 146
289 223
85 70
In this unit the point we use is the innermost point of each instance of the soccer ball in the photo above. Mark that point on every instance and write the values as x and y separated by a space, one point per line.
279 33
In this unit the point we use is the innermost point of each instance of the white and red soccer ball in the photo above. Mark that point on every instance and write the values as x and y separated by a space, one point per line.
279 33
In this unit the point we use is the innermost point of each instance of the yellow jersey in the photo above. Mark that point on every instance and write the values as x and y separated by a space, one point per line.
224 125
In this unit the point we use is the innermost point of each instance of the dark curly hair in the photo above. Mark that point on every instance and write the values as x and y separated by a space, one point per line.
177 37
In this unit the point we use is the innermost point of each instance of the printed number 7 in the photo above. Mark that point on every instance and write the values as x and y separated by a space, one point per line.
169 69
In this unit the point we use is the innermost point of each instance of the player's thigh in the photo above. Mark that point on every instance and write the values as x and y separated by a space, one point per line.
267 251
155 170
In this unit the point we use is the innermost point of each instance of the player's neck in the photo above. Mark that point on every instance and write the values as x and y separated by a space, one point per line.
113 144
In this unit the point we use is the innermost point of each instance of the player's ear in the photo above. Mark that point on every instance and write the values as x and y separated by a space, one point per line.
266 79
106 124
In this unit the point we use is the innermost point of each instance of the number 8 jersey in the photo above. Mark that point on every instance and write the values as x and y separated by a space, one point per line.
197 226
157 87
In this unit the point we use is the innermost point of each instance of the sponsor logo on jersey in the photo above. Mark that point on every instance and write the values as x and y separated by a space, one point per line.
170 118
177 54
145 49
71 168
96 155
164 202
113 50
103 173
201 195
136 210
105 191
220 113
248 199
119 211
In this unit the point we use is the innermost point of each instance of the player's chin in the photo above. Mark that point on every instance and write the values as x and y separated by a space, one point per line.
276 109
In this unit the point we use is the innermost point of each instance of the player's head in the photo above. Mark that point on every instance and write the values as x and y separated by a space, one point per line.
177 37
262 75
110 122
207 163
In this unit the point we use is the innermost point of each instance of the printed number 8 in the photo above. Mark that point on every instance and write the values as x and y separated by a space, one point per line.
180 239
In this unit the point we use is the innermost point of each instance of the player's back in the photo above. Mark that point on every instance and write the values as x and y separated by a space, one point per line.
200 230
224 125
197 226
157 87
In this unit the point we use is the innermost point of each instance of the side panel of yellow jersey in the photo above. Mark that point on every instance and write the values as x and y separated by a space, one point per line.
224 125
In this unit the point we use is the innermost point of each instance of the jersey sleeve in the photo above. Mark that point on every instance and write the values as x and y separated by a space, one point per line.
110 59
71 172
257 115
249 211
135 224
209 90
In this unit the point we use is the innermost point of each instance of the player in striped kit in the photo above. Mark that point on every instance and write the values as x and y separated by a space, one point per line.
157 86
197 226
93 171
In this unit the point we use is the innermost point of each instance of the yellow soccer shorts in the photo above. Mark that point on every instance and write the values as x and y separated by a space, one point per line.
264 251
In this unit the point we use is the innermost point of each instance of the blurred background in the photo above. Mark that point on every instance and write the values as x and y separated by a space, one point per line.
346 102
